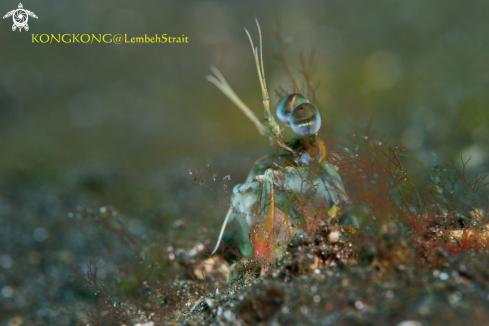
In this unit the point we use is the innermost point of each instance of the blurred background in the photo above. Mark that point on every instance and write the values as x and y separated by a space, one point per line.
87 125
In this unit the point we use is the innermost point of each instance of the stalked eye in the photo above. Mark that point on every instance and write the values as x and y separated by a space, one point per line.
287 104
305 120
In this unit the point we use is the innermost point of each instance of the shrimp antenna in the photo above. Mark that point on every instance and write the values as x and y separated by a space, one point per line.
269 120
224 87
228 215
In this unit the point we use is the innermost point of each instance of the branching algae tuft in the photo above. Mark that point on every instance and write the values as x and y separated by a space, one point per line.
287 191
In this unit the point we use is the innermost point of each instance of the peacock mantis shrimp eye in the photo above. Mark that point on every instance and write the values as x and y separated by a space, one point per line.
287 104
305 120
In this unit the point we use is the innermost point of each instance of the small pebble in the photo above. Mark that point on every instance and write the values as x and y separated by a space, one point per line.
409 323
334 237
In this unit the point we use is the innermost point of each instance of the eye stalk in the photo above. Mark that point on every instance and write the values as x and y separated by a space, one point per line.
305 120
287 104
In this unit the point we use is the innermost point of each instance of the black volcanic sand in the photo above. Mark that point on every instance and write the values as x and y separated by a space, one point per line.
147 258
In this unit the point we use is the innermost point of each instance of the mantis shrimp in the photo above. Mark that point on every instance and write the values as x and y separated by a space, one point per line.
276 200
